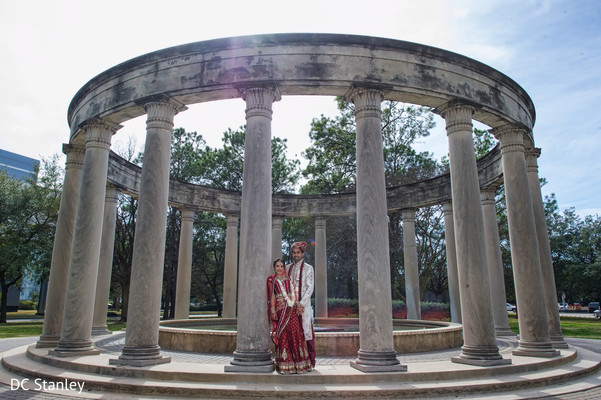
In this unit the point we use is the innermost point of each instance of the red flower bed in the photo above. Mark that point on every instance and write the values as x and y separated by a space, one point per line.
397 313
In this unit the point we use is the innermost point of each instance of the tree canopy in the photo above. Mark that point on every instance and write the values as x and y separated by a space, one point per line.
28 212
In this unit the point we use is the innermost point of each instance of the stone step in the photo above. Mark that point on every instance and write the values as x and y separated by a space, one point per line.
439 378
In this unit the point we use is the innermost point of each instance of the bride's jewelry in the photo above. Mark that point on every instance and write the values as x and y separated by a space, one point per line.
290 302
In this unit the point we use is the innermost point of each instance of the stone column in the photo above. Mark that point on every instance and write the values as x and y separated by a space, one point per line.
85 249
230 273
376 352
184 266
321 269
276 238
479 342
544 249
142 334
453 278
534 332
252 347
59 269
411 266
495 264
105 264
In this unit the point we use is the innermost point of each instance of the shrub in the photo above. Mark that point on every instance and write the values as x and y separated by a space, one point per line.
27 305
349 308
203 307
343 308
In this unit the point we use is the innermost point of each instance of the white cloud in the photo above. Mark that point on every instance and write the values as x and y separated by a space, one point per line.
551 48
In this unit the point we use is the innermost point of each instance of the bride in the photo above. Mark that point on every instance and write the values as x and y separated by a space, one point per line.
291 354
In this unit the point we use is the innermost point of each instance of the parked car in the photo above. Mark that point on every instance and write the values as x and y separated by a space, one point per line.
563 307
511 307
593 305
597 313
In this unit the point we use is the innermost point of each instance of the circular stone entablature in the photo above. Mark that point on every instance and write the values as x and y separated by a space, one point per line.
301 64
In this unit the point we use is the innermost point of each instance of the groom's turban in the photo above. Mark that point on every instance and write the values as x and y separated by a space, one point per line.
299 245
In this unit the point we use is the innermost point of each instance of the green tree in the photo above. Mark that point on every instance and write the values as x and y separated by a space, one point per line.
208 258
331 169
125 228
402 126
187 151
222 167
575 251
28 213
332 155
484 141
193 161
429 232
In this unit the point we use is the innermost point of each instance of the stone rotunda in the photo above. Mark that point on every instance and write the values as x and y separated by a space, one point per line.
260 70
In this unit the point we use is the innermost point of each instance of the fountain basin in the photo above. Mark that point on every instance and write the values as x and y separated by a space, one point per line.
333 336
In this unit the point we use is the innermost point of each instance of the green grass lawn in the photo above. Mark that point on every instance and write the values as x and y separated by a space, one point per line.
577 327
34 328
20 329
24 314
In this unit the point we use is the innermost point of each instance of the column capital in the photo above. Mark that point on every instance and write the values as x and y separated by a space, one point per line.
163 100
320 223
447 208
160 111
457 116
529 139
101 124
408 214
511 137
112 194
187 214
276 222
532 156
99 133
75 154
367 101
259 100
487 196
232 219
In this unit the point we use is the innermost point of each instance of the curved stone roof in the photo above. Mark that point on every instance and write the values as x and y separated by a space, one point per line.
301 64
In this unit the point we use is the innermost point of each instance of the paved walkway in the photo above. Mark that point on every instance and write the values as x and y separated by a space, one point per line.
114 344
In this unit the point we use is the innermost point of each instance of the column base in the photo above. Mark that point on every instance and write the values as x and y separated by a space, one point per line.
251 361
535 349
504 331
372 361
131 362
47 341
483 356
140 356
558 342
100 330
73 348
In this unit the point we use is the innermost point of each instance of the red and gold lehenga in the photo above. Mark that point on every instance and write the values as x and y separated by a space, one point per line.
291 354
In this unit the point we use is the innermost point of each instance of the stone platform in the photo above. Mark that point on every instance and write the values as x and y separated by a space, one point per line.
194 375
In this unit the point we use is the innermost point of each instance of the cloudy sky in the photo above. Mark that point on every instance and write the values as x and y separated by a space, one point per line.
552 48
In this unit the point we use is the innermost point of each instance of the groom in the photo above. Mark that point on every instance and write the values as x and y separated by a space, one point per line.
301 277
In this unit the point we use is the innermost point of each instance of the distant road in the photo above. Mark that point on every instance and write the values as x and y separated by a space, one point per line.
576 314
